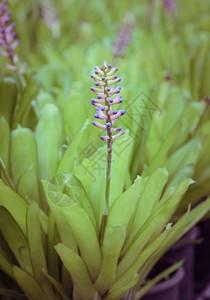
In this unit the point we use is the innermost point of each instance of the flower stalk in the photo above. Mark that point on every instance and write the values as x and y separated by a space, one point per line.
104 79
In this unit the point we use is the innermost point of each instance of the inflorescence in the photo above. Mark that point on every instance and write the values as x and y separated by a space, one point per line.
170 7
104 79
50 17
123 37
8 37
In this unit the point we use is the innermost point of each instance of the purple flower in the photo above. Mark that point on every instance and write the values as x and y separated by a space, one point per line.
170 7
50 17
124 34
8 37
104 80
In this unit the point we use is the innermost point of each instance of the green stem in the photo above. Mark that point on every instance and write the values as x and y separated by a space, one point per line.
108 166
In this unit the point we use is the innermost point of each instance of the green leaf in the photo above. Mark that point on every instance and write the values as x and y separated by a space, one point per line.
156 248
52 239
4 138
83 287
12 294
75 217
54 199
74 113
118 293
121 155
70 185
36 248
126 204
8 96
162 154
17 211
5 265
148 201
29 285
24 162
67 161
15 239
82 228
154 281
24 104
48 138
57 285
152 228
112 244
91 172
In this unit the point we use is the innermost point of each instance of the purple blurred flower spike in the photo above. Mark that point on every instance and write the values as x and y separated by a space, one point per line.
50 17
170 7
124 34
8 39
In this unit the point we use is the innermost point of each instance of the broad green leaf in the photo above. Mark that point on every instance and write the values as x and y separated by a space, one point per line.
29 285
71 155
71 186
82 228
175 233
24 163
185 155
75 217
118 293
24 105
55 200
74 113
189 120
4 138
162 154
52 240
90 172
57 286
126 204
112 244
5 265
83 287
18 211
8 96
36 248
157 279
147 259
174 108
152 228
4 174
15 239
121 153
12 294
148 201
48 138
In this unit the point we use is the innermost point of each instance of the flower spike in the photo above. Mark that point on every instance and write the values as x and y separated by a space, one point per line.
8 39
106 99
104 103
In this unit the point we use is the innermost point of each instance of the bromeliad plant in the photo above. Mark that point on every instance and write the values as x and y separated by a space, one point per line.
74 253
97 237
